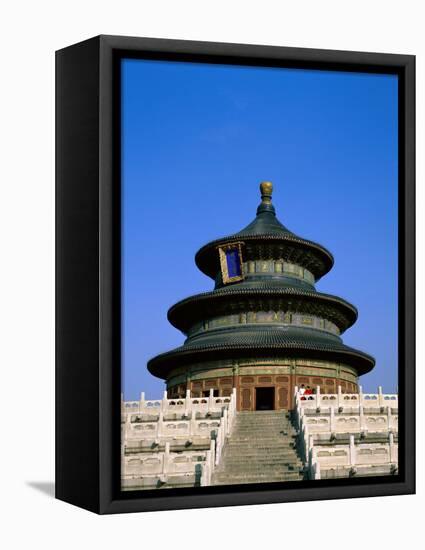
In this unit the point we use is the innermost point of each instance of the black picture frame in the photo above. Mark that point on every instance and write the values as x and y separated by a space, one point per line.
88 273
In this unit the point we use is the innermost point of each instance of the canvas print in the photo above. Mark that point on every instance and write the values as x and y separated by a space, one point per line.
259 275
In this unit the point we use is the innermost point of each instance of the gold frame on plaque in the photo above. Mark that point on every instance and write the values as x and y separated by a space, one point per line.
223 262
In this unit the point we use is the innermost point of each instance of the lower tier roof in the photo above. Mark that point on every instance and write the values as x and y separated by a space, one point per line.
272 342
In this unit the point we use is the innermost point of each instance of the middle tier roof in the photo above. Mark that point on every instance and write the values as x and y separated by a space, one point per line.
261 296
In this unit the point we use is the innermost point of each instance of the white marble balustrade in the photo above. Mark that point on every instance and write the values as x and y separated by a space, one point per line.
352 456
184 405
333 422
165 464
149 420
344 400
334 415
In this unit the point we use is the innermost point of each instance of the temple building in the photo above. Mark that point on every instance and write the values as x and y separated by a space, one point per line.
264 330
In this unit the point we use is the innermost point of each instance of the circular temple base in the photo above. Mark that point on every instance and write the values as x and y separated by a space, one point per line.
263 385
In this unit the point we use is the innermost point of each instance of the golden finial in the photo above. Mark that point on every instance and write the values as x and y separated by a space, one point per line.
266 188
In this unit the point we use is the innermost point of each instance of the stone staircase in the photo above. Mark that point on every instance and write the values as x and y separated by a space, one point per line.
261 449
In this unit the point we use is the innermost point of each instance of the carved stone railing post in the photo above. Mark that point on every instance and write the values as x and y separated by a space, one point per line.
223 421
363 426
305 447
233 400
223 440
188 404
226 422
318 397
360 396
206 471
233 404
297 417
310 442
352 453
124 431
160 423
210 462
309 460
339 397
210 400
332 419
213 450
164 402
316 465
380 397
301 417
142 401
219 444
392 447
313 464
192 424
166 458
122 457
203 474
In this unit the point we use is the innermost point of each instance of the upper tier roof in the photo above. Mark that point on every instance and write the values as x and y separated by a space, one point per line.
266 234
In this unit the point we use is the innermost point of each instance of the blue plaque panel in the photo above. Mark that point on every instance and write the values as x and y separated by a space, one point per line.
233 262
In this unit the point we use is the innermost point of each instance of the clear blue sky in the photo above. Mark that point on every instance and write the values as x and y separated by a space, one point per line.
197 140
